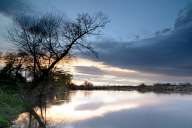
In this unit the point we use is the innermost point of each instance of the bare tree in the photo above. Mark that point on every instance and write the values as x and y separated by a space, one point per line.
44 41
48 39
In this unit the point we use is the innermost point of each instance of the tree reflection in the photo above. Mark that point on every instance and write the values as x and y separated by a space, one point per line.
53 96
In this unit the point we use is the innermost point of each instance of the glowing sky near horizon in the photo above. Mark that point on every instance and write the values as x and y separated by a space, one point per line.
101 74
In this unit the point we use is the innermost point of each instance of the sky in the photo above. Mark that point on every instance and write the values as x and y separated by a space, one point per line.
146 41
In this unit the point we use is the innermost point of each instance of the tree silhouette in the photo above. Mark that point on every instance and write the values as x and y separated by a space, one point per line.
46 40
43 42
12 71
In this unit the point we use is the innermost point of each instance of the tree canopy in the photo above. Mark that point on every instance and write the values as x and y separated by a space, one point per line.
46 40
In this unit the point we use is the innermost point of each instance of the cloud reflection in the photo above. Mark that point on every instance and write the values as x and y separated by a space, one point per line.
84 108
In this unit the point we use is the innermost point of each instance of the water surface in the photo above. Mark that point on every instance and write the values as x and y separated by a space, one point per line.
120 109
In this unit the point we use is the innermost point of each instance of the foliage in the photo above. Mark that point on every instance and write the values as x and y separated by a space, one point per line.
87 84
10 106
42 43
62 78
46 40
4 122
12 71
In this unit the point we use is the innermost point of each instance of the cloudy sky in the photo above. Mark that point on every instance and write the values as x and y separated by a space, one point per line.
146 40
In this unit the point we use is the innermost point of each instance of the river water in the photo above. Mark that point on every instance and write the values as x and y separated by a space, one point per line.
118 109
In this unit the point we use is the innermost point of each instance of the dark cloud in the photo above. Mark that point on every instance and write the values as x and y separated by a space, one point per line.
169 54
89 70
14 7
185 17
163 32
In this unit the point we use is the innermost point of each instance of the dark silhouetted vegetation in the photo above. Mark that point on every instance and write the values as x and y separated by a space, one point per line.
156 88
31 72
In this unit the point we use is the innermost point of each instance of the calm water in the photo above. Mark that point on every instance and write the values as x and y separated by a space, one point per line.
119 109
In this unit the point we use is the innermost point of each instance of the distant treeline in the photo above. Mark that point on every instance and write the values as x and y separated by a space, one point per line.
157 88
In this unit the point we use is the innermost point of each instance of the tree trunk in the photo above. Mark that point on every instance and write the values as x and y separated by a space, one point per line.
36 116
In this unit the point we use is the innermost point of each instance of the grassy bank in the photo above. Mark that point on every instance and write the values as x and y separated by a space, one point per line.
11 105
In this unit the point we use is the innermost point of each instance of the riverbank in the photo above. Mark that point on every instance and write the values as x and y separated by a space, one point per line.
11 105
156 88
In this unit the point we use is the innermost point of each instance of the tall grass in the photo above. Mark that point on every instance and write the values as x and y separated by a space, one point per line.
10 106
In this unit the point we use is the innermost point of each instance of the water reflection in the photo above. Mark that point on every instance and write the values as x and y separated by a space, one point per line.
113 109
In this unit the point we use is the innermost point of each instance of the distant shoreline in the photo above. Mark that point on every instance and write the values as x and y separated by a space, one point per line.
157 88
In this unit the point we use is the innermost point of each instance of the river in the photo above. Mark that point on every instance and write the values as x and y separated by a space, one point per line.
117 109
